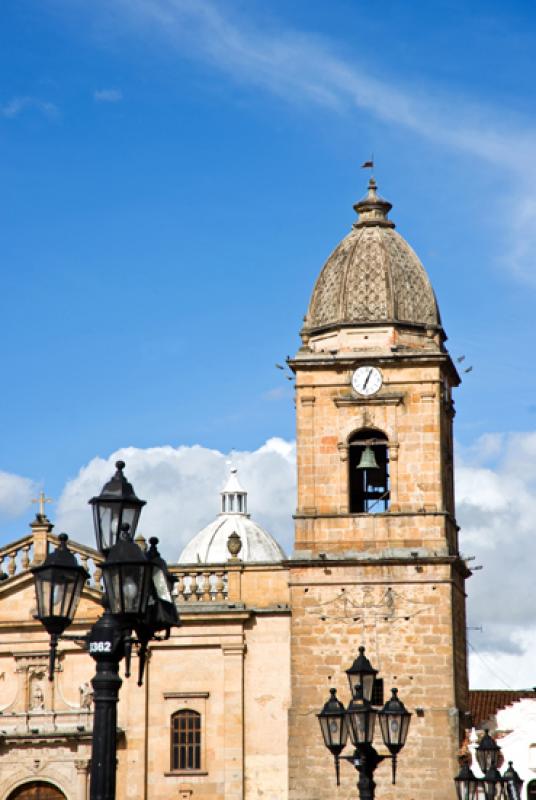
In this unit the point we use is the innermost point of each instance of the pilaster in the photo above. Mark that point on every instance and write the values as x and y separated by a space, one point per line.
233 699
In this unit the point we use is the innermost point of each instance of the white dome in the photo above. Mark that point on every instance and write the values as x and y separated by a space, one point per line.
209 546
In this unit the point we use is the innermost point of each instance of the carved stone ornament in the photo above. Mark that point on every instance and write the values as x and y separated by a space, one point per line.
86 695
234 545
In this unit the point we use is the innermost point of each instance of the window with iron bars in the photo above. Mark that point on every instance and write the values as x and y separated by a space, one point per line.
186 740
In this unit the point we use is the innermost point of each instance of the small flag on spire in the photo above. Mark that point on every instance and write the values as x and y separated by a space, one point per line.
367 164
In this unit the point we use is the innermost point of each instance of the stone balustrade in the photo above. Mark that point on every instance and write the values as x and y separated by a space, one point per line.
227 583
199 584
17 557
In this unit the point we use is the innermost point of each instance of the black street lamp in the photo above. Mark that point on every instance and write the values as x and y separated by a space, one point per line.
358 721
494 785
465 781
58 585
114 507
512 783
137 598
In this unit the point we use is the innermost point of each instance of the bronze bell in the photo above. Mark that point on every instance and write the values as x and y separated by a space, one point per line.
368 459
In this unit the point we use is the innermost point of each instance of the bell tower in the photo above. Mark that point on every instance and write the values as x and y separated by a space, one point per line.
376 557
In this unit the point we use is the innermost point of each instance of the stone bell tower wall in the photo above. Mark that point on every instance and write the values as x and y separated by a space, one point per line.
412 410
408 616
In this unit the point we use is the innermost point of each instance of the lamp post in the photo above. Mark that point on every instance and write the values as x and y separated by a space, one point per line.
358 721
493 785
137 599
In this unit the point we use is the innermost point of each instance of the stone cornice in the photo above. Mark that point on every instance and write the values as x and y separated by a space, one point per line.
385 399
381 560
380 515
398 358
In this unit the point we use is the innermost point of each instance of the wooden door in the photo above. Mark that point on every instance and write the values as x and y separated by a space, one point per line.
36 790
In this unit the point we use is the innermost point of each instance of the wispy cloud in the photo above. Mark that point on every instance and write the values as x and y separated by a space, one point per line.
307 69
18 105
107 95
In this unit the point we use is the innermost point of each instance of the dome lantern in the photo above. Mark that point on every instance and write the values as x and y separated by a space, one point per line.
234 498
373 209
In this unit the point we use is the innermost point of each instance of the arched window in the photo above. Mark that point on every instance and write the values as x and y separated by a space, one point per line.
531 790
368 465
186 740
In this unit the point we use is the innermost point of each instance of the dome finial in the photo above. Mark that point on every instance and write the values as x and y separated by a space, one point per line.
373 209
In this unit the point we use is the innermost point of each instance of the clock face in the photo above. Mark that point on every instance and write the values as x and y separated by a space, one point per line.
367 381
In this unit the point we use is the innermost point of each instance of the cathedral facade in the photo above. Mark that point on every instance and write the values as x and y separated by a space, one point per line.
228 706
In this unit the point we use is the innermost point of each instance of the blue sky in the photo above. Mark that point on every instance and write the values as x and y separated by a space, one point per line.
173 175
169 197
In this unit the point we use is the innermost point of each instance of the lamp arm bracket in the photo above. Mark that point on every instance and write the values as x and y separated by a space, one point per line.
82 638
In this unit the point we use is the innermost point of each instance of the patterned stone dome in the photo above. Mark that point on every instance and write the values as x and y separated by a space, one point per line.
372 276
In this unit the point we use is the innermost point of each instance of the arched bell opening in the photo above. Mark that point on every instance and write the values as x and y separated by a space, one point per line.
368 467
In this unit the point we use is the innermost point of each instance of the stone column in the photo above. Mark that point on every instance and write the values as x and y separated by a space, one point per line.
233 705
82 769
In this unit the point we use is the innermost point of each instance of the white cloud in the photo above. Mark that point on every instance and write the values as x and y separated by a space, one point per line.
16 494
107 95
181 485
496 508
17 105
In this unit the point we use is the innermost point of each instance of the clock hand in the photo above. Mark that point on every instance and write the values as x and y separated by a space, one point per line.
367 379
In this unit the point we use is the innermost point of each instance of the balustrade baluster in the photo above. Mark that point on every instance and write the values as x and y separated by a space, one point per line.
97 577
205 589
25 558
83 561
12 566
219 585
194 597
178 588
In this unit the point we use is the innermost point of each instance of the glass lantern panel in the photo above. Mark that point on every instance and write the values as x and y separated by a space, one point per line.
493 790
112 580
103 524
334 731
353 681
361 727
466 790
131 585
368 685
131 515
41 596
326 732
487 757
58 600
511 791
161 585
406 719
75 597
